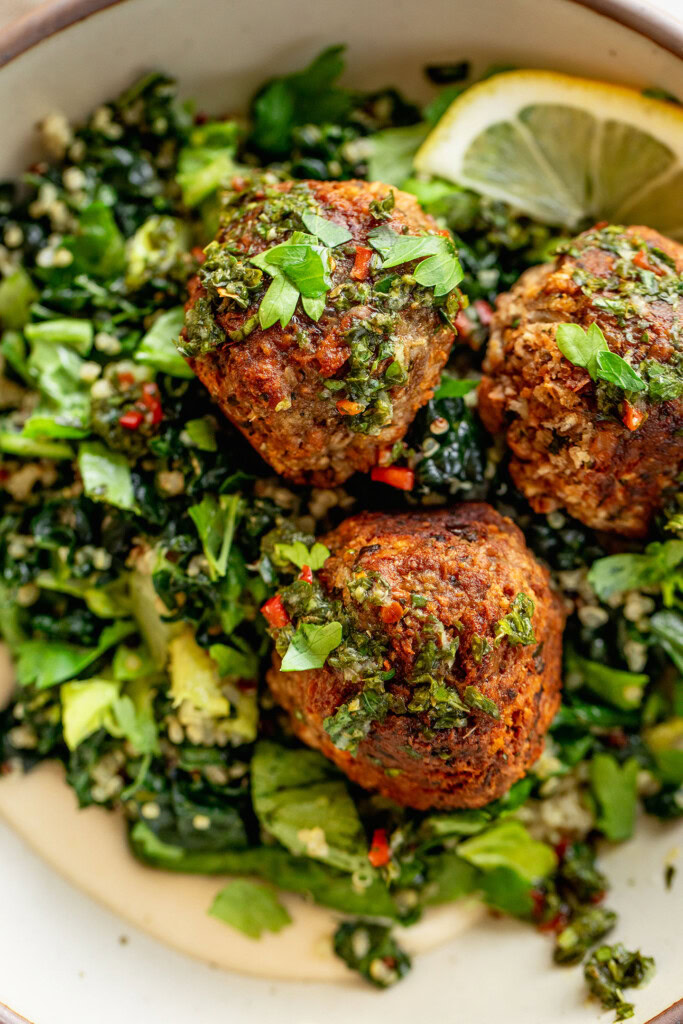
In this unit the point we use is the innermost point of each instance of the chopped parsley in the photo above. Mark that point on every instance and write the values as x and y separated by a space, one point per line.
516 625
612 968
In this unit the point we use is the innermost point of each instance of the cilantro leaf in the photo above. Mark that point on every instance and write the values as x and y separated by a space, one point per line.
441 269
614 788
441 272
300 555
327 231
310 646
249 907
612 368
307 267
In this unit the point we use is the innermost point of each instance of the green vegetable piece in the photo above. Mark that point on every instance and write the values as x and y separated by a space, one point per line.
509 845
278 303
657 565
352 721
158 346
300 555
310 646
306 267
516 625
13 348
65 411
613 968
207 162
441 271
480 648
202 434
581 347
390 152
371 951
85 707
234 663
98 247
17 295
665 740
327 231
158 248
664 381
45 663
106 475
585 929
215 519
302 800
30 448
250 908
77 334
474 698
614 788
612 368
451 387
614 685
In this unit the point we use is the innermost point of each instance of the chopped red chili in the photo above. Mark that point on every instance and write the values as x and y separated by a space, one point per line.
632 417
395 476
391 612
150 398
361 263
379 854
131 420
306 574
275 613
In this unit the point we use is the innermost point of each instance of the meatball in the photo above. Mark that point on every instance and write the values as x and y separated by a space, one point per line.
448 673
608 457
319 399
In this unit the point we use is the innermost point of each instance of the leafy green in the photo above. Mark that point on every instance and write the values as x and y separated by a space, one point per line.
202 434
664 382
614 788
310 646
509 845
157 347
590 350
665 741
85 707
301 799
106 475
440 271
300 555
17 295
77 334
215 519
390 152
97 246
371 950
249 907
452 387
158 248
28 448
207 162
327 231
516 625
585 929
658 565
45 663
278 303
474 698
305 265
65 411
614 685
666 627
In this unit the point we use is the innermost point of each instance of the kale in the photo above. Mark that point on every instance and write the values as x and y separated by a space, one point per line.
452 449
371 950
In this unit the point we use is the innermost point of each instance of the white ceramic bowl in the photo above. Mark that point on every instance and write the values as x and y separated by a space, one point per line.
59 955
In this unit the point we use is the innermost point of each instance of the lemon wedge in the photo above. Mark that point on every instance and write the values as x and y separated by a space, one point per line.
564 150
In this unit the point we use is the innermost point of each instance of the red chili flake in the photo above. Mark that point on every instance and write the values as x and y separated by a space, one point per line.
347 408
598 897
484 311
641 259
379 854
306 574
555 924
126 380
361 263
199 254
632 417
617 738
200 117
600 225
131 420
396 476
275 613
538 900
561 848
391 612
150 399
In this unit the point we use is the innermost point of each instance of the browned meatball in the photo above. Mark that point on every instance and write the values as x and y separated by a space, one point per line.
448 673
607 457
318 399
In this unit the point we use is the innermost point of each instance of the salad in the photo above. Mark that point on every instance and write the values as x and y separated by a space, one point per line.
145 546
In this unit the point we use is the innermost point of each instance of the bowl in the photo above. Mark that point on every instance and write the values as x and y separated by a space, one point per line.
69 56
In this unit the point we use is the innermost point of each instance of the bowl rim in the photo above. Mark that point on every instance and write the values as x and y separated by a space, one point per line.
52 16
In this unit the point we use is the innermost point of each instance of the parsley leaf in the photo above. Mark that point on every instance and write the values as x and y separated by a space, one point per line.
306 266
474 698
299 267
615 370
516 625
327 231
590 350
249 907
310 646
441 269
278 303
659 564
300 555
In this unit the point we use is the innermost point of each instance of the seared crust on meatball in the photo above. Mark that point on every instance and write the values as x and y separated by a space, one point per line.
271 383
445 578
606 457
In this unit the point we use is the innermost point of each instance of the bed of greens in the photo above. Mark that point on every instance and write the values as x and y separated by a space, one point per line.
139 536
